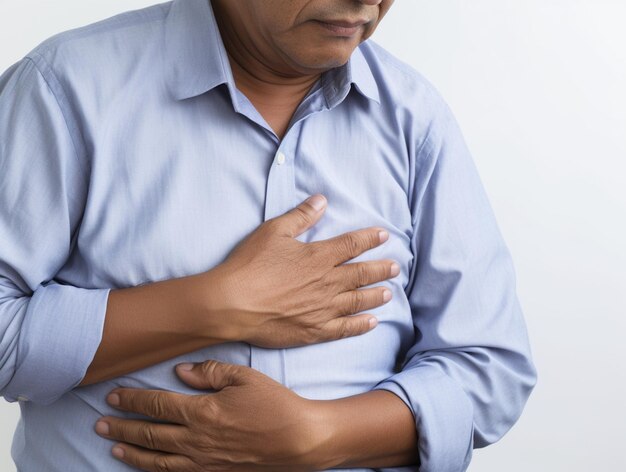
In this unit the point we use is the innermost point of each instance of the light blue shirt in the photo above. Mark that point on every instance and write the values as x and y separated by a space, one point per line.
128 155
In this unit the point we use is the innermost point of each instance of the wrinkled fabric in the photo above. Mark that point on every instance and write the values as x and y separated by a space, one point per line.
129 156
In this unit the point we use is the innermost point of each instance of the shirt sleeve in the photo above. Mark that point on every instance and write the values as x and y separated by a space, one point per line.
49 331
469 372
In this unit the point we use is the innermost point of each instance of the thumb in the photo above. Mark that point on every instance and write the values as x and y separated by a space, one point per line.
297 220
212 374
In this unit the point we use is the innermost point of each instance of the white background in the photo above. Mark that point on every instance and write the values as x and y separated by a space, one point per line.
539 89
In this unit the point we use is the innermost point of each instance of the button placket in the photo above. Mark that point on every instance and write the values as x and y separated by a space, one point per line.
279 198
280 158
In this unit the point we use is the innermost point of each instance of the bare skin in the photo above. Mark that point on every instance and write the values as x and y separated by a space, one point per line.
277 50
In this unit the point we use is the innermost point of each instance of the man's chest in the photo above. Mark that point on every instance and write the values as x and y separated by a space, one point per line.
173 191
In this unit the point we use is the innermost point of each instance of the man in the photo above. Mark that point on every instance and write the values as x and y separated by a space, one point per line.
151 166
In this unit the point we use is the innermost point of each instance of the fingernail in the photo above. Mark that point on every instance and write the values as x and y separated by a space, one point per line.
373 322
186 366
102 428
386 295
118 452
113 399
383 236
395 269
316 201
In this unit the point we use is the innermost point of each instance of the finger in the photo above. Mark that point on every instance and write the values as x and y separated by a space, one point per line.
297 220
360 274
349 245
155 436
151 461
348 326
159 404
356 301
213 374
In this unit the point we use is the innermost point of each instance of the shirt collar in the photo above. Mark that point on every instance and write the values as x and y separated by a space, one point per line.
197 60
195 57
337 82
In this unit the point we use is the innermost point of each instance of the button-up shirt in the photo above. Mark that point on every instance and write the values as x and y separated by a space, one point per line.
128 156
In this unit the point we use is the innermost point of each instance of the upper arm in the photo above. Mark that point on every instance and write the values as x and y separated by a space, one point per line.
43 186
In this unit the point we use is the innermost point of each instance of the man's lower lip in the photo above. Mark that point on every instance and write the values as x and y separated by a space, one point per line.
340 30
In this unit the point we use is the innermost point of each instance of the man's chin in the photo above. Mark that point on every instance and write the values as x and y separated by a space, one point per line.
322 63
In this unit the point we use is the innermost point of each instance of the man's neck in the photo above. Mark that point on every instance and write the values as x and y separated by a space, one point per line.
267 87
275 93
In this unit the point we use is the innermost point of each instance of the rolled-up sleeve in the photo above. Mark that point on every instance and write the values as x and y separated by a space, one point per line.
49 331
469 372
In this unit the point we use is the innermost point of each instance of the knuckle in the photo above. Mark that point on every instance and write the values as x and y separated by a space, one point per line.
188 442
373 239
231 371
208 368
357 301
330 283
313 335
343 329
341 305
344 246
148 436
353 243
204 412
310 251
158 405
379 270
161 463
240 371
362 274
301 214
309 338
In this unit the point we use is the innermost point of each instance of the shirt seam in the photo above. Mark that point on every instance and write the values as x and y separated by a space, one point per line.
428 141
125 20
53 83
419 159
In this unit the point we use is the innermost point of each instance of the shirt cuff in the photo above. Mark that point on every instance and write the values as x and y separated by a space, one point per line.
443 417
60 334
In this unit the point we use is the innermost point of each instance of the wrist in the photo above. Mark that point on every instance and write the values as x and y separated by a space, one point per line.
321 421
216 309
345 437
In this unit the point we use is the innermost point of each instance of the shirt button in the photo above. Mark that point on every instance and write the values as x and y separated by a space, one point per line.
22 398
280 158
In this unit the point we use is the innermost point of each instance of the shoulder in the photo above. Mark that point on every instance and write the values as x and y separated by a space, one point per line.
108 43
398 81
409 99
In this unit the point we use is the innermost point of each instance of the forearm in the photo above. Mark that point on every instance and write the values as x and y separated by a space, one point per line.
373 429
148 324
